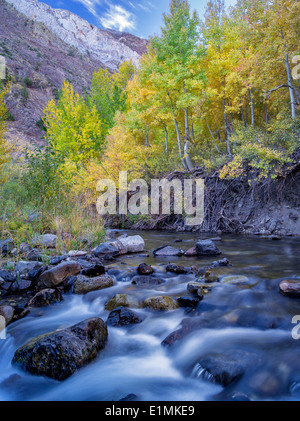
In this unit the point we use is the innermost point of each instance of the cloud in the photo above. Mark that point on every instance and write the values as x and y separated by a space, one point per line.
118 18
91 6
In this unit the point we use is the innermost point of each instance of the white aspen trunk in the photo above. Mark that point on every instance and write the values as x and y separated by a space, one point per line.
290 82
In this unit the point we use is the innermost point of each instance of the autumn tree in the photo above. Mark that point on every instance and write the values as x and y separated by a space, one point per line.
74 130
177 51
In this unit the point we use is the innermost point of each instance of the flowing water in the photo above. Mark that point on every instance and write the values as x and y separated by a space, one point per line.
255 320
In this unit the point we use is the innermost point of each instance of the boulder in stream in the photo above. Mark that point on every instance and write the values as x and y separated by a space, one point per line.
59 354
290 288
162 303
134 243
122 316
121 300
167 251
145 269
146 281
45 298
207 248
83 284
55 276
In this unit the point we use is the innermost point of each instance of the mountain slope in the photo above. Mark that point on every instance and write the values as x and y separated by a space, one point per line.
38 61
79 33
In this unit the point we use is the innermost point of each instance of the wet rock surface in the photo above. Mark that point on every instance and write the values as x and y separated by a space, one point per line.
290 288
55 276
83 284
167 251
60 354
122 316
162 303
146 281
145 269
121 300
207 248
45 298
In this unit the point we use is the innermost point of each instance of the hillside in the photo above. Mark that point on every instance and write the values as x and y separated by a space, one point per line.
39 61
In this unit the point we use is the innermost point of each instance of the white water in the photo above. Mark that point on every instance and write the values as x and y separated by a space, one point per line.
134 361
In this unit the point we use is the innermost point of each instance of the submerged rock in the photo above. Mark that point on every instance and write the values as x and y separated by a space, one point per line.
55 276
290 288
167 251
224 369
121 300
162 303
83 284
179 270
190 302
122 316
45 298
235 280
144 281
207 248
59 354
129 398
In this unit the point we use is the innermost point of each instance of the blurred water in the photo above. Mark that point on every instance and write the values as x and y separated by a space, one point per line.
255 320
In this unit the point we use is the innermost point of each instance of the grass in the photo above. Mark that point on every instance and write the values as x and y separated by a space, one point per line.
75 223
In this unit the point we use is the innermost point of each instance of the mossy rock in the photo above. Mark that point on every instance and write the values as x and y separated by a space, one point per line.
161 303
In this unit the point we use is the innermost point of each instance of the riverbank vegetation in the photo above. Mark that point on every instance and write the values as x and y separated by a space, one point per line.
222 93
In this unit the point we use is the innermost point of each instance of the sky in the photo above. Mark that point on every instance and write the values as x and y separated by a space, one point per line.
142 17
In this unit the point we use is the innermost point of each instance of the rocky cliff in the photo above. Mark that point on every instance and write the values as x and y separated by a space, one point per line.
40 57
79 33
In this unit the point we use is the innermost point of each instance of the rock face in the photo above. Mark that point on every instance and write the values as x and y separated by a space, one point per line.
55 276
207 248
83 285
235 280
122 316
59 354
167 251
290 288
79 33
189 302
162 303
